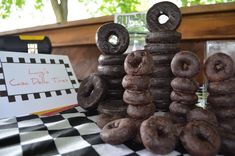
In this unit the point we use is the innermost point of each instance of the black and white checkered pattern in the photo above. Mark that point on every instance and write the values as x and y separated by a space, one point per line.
71 132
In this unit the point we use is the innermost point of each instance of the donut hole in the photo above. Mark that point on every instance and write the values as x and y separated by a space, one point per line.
113 125
162 18
201 137
113 39
161 132
219 65
136 61
89 91
184 66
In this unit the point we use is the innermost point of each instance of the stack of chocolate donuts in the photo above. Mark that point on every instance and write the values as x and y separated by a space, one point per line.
162 42
110 68
185 65
221 100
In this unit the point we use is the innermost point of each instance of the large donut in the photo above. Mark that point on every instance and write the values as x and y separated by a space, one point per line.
202 114
160 82
91 90
179 108
158 134
184 98
138 63
111 59
103 35
226 100
184 85
219 67
200 138
163 37
163 8
118 131
114 71
162 48
112 107
222 87
162 59
137 97
185 64
103 119
141 112
136 83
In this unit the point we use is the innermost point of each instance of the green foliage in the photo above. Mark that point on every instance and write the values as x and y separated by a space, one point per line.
203 2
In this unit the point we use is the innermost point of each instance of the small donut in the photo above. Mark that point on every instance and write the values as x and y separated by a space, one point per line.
111 59
184 98
185 64
227 143
179 108
137 97
136 83
200 138
184 85
113 83
162 59
118 131
219 67
225 112
108 30
91 90
103 119
163 37
226 100
160 94
115 71
112 107
160 82
114 94
158 134
202 114
222 87
163 8
141 112
162 48
138 62
162 72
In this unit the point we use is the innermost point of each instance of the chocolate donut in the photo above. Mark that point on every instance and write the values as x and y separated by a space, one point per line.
163 37
136 83
118 131
91 90
200 138
184 85
158 134
202 114
162 93
138 62
222 87
184 98
163 8
113 83
112 107
137 97
111 59
111 71
162 59
141 112
103 119
179 108
162 72
185 64
114 94
108 30
226 100
219 67
162 48
225 112
160 82
227 143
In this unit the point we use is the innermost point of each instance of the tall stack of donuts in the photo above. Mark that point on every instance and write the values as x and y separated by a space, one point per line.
219 70
185 65
163 43
110 68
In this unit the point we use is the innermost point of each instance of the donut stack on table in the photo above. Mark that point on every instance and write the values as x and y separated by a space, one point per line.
163 43
221 100
185 65
110 68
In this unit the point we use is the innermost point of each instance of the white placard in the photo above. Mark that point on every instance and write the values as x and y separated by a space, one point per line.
35 82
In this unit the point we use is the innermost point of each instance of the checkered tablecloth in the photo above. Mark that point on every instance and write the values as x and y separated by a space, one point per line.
71 132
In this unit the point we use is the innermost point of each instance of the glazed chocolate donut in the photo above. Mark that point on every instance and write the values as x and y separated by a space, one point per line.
162 48
163 8
163 37
162 72
160 82
111 71
136 83
137 97
226 100
114 94
184 98
200 138
227 143
113 83
103 119
141 112
219 67
118 131
162 93
202 114
184 85
225 112
111 59
112 107
91 90
138 62
108 30
162 59
158 134
185 64
179 108
222 87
